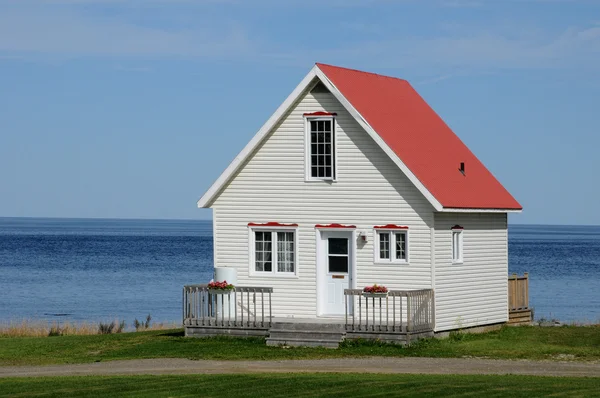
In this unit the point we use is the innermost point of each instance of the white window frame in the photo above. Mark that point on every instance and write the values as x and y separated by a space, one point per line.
457 245
392 259
307 149
252 252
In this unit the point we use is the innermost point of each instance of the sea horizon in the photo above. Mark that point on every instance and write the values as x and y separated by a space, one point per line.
210 219
100 269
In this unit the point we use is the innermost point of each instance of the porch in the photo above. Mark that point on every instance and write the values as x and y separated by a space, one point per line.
399 316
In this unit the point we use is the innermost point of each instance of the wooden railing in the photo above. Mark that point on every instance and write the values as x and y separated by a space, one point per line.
400 311
240 308
518 292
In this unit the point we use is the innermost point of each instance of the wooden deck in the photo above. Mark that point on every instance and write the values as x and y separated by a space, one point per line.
399 317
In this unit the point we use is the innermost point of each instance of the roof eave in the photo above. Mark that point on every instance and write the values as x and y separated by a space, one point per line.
479 210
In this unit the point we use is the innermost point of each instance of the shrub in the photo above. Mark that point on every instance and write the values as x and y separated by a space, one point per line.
55 330
106 328
142 325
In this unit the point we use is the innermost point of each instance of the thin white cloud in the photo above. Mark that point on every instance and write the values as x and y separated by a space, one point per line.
462 3
574 48
64 32
434 80
137 69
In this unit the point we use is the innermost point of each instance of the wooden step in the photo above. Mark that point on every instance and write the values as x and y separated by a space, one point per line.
303 342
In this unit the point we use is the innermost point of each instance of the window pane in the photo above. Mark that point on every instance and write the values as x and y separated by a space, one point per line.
321 149
285 252
321 160
338 246
400 246
338 263
456 254
262 254
453 246
384 246
259 261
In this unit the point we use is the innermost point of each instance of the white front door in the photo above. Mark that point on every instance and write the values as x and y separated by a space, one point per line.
336 265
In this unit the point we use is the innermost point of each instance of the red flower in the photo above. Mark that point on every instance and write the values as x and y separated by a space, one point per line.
375 289
220 285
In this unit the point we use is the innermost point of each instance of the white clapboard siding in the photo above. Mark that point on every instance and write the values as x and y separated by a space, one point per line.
474 292
370 190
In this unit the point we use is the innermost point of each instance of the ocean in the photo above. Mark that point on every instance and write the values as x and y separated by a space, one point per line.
104 269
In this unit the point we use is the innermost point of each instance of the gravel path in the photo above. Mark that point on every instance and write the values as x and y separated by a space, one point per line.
166 366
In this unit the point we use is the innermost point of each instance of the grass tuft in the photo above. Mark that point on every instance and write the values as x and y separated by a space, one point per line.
29 328
525 342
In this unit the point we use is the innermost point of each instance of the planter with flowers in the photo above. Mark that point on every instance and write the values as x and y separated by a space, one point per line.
220 287
375 291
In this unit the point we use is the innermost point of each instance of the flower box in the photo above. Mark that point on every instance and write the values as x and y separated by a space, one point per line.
220 291
220 287
374 295
375 291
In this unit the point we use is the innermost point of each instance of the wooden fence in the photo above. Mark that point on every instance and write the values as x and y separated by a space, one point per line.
398 311
518 292
240 308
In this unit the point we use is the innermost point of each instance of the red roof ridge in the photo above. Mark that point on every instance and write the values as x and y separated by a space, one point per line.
362 71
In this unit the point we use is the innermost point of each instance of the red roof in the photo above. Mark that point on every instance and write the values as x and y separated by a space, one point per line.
421 139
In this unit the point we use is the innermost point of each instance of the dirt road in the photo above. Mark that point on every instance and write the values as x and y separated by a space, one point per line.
167 366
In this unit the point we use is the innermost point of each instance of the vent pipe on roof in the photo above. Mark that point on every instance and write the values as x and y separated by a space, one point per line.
462 168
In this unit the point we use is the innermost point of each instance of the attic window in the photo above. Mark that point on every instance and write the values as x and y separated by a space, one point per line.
320 148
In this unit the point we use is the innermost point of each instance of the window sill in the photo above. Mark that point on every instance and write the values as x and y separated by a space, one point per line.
269 275
384 262
319 180
457 262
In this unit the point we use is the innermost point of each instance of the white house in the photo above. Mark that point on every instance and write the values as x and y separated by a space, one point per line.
355 180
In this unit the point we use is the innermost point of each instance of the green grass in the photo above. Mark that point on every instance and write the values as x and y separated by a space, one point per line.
567 342
293 385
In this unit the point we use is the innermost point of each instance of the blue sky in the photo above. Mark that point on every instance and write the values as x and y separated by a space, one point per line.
131 109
